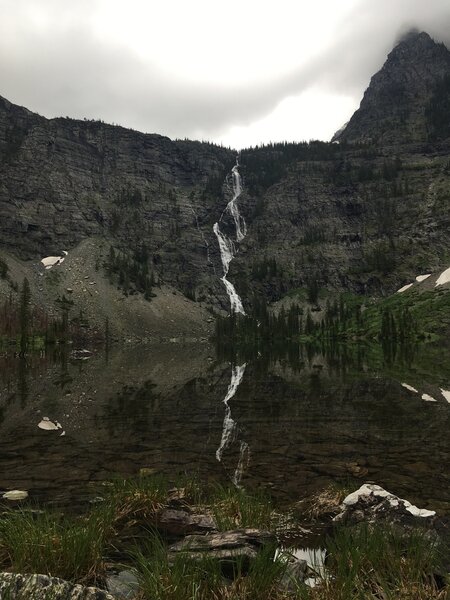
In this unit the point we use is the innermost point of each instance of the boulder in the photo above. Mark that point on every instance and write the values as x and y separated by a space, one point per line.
179 522
371 503
228 547
297 571
123 585
41 587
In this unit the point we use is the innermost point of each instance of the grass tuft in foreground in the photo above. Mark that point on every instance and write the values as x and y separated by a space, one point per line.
380 563
234 508
183 578
136 498
51 544
368 562
325 502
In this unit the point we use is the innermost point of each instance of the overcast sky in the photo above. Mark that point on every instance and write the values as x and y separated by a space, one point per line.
234 72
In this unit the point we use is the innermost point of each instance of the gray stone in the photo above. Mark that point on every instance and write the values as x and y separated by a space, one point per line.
14 586
296 573
122 585
182 522
228 547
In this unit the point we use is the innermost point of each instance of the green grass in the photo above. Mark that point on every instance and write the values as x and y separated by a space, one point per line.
379 563
183 578
137 498
75 548
52 544
367 562
234 508
325 501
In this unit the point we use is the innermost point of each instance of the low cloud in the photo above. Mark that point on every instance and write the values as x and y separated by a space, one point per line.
63 69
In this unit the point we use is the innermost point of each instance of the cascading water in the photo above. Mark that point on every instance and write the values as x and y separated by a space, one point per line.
226 245
229 425
244 459
227 253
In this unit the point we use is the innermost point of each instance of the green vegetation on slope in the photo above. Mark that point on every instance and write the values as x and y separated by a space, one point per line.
408 317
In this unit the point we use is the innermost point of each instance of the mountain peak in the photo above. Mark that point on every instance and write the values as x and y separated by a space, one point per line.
417 45
394 108
414 37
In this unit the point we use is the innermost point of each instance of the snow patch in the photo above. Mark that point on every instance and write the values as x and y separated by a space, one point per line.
376 490
446 394
404 288
49 425
443 278
410 388
52 261
421 278
15 495
428 398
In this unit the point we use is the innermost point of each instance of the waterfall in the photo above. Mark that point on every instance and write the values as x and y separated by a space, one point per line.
226 245
227 253
244 459
230 428
229 425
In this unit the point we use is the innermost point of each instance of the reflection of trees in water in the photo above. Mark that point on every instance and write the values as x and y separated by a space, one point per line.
131 409
22 381
396 359
64 377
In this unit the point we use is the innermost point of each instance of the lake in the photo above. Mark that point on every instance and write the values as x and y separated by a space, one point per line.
291 424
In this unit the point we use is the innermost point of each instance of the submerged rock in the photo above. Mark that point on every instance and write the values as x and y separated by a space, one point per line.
42 587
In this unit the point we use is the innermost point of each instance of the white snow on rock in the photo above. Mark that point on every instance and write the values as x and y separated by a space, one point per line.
369 489
15 495
49 425
404 288
428 398
421 278
444 277
446 394
410 388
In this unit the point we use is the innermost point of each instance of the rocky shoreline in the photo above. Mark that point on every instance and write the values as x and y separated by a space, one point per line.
192 534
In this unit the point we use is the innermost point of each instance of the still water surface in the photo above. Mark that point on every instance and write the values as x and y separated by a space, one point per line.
290 426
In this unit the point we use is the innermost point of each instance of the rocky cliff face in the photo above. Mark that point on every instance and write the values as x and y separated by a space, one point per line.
366 221
64 180
398 104
360 217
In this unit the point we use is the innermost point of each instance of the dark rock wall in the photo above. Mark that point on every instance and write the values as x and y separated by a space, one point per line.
368 219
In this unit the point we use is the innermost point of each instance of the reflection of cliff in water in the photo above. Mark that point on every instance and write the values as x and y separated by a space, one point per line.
307 422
